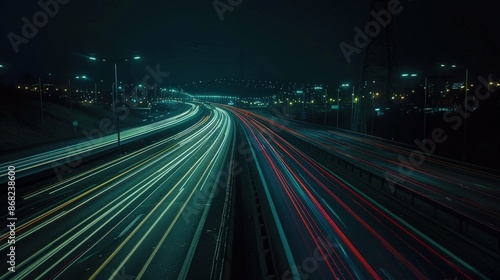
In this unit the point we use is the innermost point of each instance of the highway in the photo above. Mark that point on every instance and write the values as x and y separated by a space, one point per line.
329 229
151 210
469 190
96 140
137 215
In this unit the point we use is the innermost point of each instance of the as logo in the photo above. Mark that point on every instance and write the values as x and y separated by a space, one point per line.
221 7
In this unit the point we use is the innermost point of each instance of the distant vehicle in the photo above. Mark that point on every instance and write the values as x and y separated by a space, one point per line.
231 103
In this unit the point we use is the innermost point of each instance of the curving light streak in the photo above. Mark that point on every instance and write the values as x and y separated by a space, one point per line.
25 166
211 138
301 180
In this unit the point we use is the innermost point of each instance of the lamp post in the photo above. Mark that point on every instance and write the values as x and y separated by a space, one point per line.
70 95
304 101
96 99
338 100
41 97
465 105
301 91
312 109
465 108
352 105
414 75
113 96
116 89
325 97
319 89
338 105
41 101
84 77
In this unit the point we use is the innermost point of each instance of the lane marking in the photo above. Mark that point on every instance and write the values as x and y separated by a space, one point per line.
130 225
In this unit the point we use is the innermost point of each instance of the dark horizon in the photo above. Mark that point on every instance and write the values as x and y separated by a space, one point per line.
277 41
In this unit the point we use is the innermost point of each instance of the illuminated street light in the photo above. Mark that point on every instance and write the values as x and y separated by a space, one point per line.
338 100
465 106
116 89
352 107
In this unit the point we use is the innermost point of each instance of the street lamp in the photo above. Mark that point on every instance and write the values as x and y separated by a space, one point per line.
352 107
465 106
414 75
374 94
41 102
41 98
303 98
312 109
84 77
136 90
116 88
338 100
325 97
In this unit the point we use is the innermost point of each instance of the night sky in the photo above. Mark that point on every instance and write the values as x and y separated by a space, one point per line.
278 40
